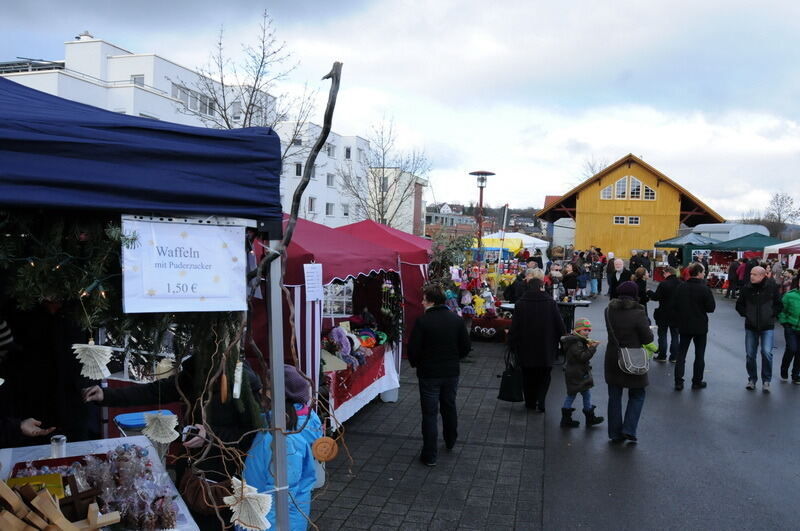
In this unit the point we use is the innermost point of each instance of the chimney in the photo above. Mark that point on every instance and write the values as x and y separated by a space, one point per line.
85 36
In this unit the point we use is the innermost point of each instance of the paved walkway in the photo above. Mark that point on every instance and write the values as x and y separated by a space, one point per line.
491 480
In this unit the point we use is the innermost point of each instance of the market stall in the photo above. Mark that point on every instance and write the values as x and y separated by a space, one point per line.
352 277
685 245
68 172
414 254
794 255
528 242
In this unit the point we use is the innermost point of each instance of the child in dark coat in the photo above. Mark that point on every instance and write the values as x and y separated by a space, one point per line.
579 349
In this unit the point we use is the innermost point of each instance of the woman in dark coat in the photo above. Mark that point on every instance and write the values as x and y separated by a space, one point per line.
627 326
640 277
536 329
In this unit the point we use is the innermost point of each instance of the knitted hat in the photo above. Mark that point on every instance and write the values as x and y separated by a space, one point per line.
297 389
628 289
582 324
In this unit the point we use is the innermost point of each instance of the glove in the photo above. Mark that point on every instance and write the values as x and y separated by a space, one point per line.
651 349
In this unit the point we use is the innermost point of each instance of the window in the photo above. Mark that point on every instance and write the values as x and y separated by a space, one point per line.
338 299
649 194
605 193
138 80
236 110
621 188
298 169
636 188
329 209
633 220
619 220
346 210
330 180
194 101
297 141
312 205
330 149
314 171
347 152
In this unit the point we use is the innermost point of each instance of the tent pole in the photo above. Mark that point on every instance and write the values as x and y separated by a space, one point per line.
279 453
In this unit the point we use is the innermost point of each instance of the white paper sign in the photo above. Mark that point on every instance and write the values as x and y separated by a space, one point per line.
178 267
313 274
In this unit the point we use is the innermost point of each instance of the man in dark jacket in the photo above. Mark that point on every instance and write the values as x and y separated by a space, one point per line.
617 277
759 303
536 330
438 341
693 301
645 262
672 259
666 315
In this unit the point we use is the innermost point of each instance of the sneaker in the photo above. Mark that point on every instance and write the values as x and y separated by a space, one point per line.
751 385
796 381
784 376
699 385
660 358
427 462
673 360
765 387
679 386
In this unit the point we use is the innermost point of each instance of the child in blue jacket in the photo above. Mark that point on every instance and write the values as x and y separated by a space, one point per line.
258 471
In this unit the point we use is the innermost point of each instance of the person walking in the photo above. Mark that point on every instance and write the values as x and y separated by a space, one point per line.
672 259
640 277
438 342
627 327
666 315
578 352
596 281
759 303
536 329
646 263
609 270
693 301
733 280
790 320
617 277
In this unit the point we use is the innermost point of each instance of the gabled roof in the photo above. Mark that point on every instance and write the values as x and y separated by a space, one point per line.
693 211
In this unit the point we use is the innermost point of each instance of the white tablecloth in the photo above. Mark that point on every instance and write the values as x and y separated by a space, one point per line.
10 456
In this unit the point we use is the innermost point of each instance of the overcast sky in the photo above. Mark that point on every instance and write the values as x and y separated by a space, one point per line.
707 92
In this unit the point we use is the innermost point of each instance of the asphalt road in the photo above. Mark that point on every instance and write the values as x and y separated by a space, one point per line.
718 458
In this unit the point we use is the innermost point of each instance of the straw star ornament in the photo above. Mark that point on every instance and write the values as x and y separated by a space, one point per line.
249 507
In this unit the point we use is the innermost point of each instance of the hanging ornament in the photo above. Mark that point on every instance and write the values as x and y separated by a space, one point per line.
94 359
165 368
237 380
324 449
249 507
160 428
223 384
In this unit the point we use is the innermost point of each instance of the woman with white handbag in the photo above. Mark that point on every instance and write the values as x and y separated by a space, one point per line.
626 361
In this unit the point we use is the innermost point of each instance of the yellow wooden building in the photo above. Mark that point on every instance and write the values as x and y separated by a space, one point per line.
628 206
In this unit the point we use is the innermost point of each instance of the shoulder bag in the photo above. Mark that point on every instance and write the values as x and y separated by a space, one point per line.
511 380
634 360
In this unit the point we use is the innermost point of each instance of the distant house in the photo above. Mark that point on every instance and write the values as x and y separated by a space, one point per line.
728 231
629 205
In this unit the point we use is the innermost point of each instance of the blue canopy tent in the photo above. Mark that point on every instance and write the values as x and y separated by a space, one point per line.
57 153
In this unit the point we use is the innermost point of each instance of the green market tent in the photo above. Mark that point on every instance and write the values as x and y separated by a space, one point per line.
687 239
751 242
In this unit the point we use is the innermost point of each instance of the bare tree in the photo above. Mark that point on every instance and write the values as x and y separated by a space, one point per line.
239 92
756 217
384 180
782 208
592 166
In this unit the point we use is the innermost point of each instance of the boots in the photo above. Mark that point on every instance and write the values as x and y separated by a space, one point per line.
566 418
591 418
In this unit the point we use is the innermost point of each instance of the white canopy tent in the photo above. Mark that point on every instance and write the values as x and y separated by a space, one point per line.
528 242
773 249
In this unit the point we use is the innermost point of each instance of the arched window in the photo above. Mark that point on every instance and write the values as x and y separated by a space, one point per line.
636 188
605 193
621 188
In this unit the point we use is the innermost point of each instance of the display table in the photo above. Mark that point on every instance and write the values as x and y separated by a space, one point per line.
11 456
352 389
499 324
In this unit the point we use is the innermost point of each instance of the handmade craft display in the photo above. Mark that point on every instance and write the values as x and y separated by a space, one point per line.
160 428
120 482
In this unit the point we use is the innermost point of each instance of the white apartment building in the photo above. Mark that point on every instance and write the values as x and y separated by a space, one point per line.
96 72
324 200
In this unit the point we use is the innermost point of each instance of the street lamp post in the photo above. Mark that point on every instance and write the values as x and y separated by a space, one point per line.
481 175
